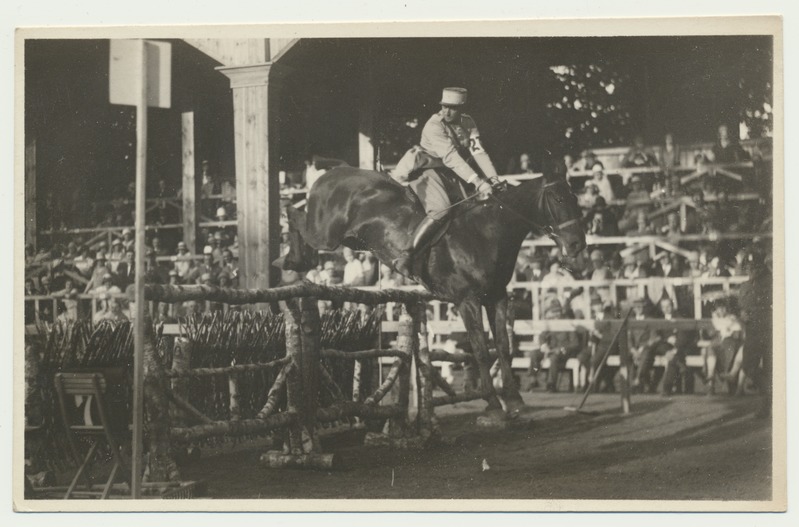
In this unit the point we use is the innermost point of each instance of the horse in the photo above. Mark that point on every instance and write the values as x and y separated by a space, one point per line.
470 265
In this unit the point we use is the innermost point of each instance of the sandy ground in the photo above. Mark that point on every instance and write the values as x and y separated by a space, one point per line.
684 447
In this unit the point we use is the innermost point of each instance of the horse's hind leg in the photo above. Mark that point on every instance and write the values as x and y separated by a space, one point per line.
471 311
498 319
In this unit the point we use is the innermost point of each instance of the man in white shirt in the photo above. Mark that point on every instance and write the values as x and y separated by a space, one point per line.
353 270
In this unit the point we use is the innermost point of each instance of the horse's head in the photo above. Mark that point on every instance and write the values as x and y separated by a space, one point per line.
300 257
561 215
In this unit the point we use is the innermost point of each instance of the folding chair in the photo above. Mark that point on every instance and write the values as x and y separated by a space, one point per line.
93 387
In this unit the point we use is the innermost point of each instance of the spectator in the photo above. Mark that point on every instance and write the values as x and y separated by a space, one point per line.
230 266
602 182
588 198
370 268
127 240
154 273
599 269
126 272
672 227
601 220
727 338
84 263
112 310
98 273
520 165
557 346
183 261
642 226
638 155
353 270
216 247
669 155
727 150
206 267
158 248
586 162
591 356
117 255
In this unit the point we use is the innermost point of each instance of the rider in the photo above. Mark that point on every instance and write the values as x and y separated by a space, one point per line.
449 139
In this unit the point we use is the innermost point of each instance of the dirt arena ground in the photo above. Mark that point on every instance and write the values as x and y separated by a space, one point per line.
685 447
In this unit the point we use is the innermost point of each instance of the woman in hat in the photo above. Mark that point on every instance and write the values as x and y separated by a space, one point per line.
450 139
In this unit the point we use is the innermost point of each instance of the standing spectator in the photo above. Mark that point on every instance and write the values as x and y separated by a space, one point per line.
126 272
183 261
353 269
669 155
727 150
370 268
756 300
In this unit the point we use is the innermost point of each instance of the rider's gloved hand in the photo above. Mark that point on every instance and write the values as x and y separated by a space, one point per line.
485 189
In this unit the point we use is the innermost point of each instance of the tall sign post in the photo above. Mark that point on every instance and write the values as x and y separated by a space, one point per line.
139 75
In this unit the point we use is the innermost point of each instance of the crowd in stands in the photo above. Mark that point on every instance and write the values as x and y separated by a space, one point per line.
660 203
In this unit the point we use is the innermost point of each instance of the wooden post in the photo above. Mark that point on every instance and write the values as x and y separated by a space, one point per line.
405 336
309 363
425 417
138 323
30 193
255 98
697 299
190 202
625 368
181 362
366 118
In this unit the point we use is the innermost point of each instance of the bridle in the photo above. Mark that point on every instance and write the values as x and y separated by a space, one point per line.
543 204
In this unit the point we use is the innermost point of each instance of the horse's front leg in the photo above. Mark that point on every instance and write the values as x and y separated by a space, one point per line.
498 319
471 312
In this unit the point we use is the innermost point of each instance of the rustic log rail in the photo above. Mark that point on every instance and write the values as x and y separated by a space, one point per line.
292 404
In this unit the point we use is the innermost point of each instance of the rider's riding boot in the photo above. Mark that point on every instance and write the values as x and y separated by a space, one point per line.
423 233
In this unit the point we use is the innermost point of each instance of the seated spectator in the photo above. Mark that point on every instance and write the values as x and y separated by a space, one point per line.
128 241
557 346
112 310
158 248
602 182
183 261
556 276
587 199
84 263
638 155
600 339
672 227
116 255
98 273
586 162
230 266
154 273
520 165
601 220
206 267
642 226
727 339
670 343
727 150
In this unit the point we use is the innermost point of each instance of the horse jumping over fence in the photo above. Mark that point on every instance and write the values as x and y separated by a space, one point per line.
472 263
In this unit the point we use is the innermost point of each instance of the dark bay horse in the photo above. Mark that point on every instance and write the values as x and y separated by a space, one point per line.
473 262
